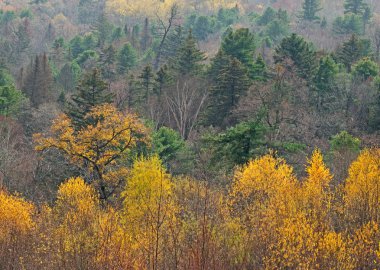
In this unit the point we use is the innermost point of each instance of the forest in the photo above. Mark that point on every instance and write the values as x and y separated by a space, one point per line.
189 134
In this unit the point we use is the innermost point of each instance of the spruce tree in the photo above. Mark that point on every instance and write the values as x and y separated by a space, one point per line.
189 58
310 10
38 81
173 43
91 91
107 62
259 70
146 38
300 52
356 7
231 81
352 51
240 44
127 58
324 78
162 79
146 82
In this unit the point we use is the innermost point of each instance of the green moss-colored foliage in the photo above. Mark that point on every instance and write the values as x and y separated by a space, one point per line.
238 144
345 141
365 69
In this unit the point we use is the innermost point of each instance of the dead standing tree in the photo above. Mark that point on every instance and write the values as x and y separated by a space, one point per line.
184 105
164 30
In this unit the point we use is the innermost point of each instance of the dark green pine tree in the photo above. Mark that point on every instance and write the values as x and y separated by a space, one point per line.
127 58
240 44
108 62
324 80
161 80
173 43
356 7
259 70
231 81
146 38
352 51
104 28
310 10
327 70
91 91
146 82
189 58
301 54
367 15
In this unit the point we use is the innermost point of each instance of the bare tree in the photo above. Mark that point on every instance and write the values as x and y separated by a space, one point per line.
164 30
185 103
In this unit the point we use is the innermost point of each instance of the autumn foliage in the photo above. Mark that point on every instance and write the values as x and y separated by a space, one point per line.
268 218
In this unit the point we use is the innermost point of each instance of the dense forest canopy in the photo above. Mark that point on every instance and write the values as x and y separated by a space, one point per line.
189 134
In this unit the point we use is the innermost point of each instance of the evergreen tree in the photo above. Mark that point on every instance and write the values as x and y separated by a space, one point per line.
38 81
91 91
146 82
356 7
352 51
127 58
310 10
173 42
162 79
367 15
300 52
104 28
241 45
327 70
324 80
259 69
145 36
10 97
349 24
189 58
107 62
238 144
231 81
365 69
135 36
268 16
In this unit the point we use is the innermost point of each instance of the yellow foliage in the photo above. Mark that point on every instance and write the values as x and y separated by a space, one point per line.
264 182
364 246
316 190
158 7
75 196
16 226
99 147
296 247
15 216
149 206
76 210
362 188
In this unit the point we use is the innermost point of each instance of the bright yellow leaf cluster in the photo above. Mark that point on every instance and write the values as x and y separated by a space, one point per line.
269 219
98 148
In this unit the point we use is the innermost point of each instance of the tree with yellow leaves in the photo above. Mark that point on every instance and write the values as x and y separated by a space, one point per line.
16 225
149 208
362 189
98 148
75 212
316 193
262 196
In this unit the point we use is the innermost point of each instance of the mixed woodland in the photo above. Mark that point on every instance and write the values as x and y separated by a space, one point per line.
189 134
